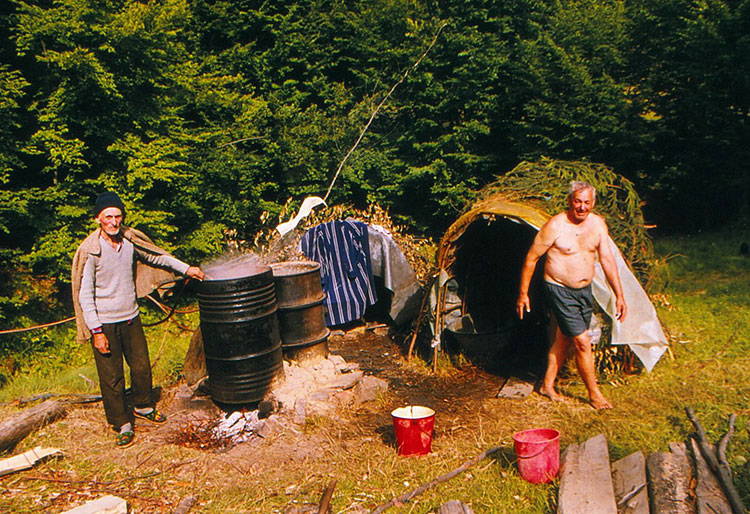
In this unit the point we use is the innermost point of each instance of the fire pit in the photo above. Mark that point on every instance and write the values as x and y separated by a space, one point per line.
240 332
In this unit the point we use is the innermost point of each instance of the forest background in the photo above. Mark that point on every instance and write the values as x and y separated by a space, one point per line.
211 116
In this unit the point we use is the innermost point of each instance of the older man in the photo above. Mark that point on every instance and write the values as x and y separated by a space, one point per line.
112 267
572 241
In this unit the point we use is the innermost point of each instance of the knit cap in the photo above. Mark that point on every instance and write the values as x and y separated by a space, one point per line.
108 199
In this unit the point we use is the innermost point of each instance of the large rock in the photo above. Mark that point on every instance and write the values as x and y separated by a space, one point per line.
369 388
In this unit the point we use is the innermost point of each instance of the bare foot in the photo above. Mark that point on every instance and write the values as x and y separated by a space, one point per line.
600 403
550 393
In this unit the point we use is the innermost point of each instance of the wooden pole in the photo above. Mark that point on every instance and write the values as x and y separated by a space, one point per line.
425 296
325 501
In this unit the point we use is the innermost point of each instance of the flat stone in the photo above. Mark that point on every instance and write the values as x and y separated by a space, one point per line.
348 367
347 381
267 427
104 505
369 388
343 398
455 507
317 408
300 411
320 396
337 360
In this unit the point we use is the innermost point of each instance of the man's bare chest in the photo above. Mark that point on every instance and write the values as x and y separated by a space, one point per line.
573 242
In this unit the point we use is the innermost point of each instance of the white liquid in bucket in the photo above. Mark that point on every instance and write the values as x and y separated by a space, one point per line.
413 412
413 426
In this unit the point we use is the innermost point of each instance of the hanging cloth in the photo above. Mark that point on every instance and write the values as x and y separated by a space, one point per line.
343 251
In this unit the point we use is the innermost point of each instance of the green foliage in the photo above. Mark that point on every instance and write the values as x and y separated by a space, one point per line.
544 183
206 115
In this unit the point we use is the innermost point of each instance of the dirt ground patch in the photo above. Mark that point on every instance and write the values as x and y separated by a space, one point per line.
155 474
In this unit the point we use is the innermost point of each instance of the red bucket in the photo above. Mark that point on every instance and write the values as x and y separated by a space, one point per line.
413 426
538 453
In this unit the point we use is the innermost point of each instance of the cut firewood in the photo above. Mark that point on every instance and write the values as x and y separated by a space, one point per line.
585 479
669 477
717 462
630 485
709 496
16 428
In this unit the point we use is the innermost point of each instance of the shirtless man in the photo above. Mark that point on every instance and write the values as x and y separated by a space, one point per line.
572 240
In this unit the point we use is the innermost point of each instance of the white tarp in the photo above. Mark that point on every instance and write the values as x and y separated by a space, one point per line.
641 329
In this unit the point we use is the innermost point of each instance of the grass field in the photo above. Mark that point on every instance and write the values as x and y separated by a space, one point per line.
702 295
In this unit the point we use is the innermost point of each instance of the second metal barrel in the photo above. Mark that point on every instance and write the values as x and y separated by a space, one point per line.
240 336
301 309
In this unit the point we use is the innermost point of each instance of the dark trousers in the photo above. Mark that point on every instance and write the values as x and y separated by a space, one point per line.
126 339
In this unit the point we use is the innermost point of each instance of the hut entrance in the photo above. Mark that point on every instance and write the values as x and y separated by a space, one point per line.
487 269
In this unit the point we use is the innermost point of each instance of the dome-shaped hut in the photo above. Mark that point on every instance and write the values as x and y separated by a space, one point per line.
482 253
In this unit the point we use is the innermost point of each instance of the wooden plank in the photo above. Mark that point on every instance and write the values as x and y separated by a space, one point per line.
586 480
515 388
630 484
709 496
669 476
104 505
26 460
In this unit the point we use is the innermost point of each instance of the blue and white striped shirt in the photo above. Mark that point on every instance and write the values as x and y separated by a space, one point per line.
343 250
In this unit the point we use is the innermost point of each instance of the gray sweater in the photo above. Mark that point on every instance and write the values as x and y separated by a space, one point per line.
108 284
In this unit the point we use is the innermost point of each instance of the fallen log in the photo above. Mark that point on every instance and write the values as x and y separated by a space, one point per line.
16 428
442 478
717 460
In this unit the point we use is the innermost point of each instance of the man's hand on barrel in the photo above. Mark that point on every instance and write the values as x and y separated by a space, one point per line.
194 272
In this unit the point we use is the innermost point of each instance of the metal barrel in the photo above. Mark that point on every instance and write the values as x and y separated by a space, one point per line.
241 338
301 306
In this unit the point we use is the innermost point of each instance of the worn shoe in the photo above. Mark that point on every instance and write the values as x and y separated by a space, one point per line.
154 416
125 439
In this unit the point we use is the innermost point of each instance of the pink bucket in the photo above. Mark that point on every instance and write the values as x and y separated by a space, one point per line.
538 453
413 426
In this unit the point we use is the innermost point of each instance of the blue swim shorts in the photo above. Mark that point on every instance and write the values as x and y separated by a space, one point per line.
572 307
